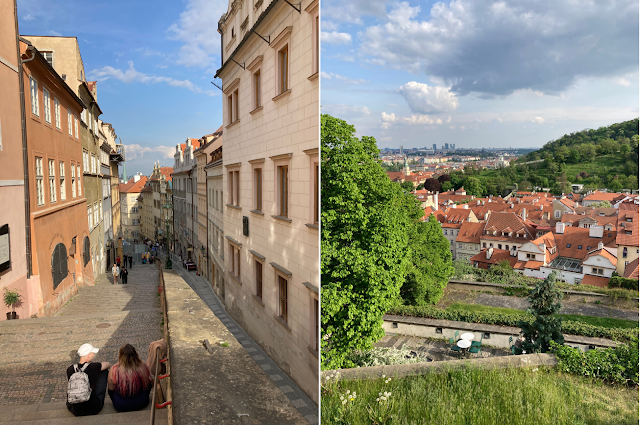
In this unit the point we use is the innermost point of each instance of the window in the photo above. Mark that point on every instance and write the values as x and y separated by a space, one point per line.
73 181
624 252
283 69
75 120
257 179
316 193
598 271
499 246
90 217
83 116
236 107
52 181
258 279
445 231
506 247
35 109
579 246
85 160
69 123
257 101
79 185
56 111
39 182
283 191
234 188
459 246
46 98
283 298
568 245
316 325
484 244
63 189
235 260
96 219
59 264
48 57
315 66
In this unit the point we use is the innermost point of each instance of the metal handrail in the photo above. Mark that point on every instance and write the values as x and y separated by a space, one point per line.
156 378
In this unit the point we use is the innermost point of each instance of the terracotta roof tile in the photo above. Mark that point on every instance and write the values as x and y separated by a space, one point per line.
631 270
132 186
500 221
576 243
628 228
470 232
601 196
497 257
601 282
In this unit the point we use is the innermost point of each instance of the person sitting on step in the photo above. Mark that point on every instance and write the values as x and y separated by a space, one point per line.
97 373
129 381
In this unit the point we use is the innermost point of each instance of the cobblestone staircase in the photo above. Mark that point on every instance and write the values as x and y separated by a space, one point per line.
36 352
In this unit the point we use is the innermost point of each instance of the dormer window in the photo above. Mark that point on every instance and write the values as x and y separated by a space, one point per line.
629 219
601 214
579 246
588 248
568 245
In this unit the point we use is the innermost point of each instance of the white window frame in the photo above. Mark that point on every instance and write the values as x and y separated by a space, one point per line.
79 179
63 188
56 110
39 181
73 180
46 98
69 122
35 105
75 120
52 181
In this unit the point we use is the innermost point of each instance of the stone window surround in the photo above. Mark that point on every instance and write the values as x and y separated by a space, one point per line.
232 168
280 42
230 93
313 297
314 10
280 271
258 258
281 161
257 164
253 67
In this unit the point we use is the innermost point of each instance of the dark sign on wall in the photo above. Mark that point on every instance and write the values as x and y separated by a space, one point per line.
5 250
245 225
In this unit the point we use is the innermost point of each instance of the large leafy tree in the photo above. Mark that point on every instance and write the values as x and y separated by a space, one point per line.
431 264
545 302
366 221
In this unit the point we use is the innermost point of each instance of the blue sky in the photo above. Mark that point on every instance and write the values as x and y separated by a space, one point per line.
153 60
479 73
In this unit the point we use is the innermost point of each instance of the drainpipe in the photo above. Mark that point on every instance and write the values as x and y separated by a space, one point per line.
25 155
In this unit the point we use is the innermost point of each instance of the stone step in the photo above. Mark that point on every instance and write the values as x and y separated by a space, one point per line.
57 414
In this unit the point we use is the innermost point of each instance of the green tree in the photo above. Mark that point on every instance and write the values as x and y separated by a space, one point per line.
615 185
366 220
602 204
473 186
408 186
446 186
545 302
431 267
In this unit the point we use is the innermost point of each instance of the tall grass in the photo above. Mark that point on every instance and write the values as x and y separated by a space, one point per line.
480 397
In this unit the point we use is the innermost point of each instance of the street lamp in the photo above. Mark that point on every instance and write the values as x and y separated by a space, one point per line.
166 207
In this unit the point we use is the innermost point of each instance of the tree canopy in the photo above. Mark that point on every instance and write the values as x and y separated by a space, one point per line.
366 222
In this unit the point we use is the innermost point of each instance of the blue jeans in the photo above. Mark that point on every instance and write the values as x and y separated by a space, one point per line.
131 403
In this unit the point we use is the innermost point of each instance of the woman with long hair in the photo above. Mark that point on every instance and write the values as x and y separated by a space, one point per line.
129 381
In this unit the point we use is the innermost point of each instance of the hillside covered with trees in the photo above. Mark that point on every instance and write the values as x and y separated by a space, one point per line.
598 159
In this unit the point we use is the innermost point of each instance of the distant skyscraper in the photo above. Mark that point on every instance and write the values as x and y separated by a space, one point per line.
400 149
435 148
453 146
446 145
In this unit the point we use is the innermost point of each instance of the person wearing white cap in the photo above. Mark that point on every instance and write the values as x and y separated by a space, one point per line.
97 373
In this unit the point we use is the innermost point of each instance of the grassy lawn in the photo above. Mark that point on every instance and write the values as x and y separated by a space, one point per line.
481 397
591 320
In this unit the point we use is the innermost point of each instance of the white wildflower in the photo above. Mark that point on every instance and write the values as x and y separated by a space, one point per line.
344 401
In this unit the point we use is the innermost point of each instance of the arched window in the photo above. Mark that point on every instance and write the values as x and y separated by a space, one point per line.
86 250
59 264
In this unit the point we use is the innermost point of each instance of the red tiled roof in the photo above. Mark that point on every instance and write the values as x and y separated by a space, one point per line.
601 282
132 186
629 205
395 175
601 196
628 231
631 270
603 253
574 219
470 232
592 211
166 172
453 217
533 265
497 257
508 222
579 242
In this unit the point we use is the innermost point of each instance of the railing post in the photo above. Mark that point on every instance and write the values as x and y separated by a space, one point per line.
155 385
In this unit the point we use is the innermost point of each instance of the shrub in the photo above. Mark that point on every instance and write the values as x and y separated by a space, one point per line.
380 356
569 327
545 302
617 365
623 282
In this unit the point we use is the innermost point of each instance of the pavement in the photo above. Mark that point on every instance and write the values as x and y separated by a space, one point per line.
435 349
264 368
521 303
35 353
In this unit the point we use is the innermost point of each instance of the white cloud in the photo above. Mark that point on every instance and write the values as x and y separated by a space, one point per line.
343 57
136 151
29 18
331 76
495 48
131 75
197 28
537 120
147 52
353 10
413 119
622 81
335 37
54 33
329 25
345 111
425 99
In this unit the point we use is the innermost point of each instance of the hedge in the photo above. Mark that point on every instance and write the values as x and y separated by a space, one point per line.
569 327
623 282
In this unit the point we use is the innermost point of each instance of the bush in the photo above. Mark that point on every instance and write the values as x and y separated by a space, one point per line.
569 327
623 282
617 365
381 356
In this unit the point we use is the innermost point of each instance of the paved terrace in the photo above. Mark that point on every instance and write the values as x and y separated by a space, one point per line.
36 352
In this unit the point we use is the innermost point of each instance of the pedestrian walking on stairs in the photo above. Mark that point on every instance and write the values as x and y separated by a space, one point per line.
115 271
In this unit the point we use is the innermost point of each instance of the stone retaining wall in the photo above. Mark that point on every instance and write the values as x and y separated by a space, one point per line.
414 369
569 294
498 336
166 382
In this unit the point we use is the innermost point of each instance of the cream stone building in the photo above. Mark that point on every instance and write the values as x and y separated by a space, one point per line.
215 221
271 163
131 208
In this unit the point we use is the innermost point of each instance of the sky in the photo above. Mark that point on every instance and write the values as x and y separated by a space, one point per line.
478 73
153 60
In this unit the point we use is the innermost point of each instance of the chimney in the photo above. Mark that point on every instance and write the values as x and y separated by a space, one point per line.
559 228
524 214
486 216
511 206
596 231
435 199
465 206
489 253
600 245
136 178
454 206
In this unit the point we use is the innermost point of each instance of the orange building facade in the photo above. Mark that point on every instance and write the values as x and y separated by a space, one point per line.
58 212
